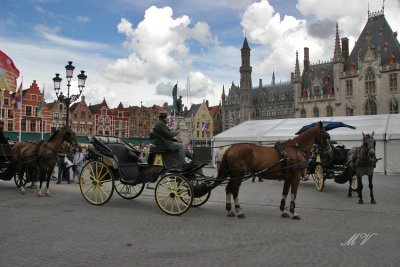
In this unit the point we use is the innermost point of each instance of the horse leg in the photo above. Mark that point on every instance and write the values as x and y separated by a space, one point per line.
370 189
228 191
48 176
22 189
293 193
359 189
285 192
40 193
238 209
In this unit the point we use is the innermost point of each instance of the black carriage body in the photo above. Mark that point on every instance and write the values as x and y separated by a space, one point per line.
123 160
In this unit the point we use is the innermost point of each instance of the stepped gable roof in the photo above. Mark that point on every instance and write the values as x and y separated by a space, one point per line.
213 110
378 35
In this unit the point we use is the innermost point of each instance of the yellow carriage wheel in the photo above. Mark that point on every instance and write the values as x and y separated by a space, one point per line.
318 177
173 194
96 182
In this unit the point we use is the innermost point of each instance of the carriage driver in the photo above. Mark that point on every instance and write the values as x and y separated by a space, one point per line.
164 137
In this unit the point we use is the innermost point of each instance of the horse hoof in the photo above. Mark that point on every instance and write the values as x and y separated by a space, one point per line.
360 202
48 195
285 215
40 194
231 214
22 192
349 195
241 216
296 217
373 201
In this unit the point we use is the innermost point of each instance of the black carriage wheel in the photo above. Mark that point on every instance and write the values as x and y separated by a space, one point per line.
198 201
127 191
96 182
17 179
318 177
173 194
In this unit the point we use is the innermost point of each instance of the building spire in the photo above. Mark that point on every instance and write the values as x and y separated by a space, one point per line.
273 78
297 67
337 57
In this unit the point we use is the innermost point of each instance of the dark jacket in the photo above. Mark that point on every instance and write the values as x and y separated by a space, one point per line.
162 135
3 139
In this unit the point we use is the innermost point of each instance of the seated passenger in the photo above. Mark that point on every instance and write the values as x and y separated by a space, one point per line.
164 137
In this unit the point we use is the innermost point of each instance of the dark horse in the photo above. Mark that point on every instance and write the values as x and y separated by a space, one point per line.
362 161
44 156
287 163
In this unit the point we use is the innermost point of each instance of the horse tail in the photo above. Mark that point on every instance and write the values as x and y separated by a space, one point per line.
223 171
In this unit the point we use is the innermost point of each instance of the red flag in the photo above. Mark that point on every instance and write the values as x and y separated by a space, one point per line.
8 73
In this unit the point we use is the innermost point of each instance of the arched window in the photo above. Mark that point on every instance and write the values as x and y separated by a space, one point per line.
303 113
393 106
370 107
329 111
370 82
315 112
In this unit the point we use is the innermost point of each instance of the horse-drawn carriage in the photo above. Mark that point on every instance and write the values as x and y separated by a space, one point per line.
8 166
115 165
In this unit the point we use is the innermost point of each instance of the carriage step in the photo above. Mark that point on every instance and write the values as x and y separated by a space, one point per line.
149 187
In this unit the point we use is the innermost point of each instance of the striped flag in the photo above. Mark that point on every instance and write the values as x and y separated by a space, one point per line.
8 73
40 108
206 127
171 121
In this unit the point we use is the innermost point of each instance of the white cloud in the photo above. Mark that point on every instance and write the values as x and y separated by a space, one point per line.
159 46
83 19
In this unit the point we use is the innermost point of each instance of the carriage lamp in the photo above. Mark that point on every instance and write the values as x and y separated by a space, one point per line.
68 99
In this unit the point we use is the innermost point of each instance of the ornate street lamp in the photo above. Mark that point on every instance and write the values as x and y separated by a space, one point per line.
69 99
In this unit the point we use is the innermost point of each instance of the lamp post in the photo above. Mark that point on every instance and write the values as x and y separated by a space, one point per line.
69 99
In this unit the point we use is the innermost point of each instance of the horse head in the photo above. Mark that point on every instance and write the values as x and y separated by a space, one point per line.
324 139
68 135
368 147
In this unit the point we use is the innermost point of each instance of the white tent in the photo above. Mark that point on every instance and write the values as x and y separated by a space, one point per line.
386 130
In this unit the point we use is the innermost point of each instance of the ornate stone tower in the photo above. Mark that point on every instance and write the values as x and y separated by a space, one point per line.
245 83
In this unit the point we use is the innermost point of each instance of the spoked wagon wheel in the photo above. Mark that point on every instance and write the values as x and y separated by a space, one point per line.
198 201
173 194
96 182
318 177
354 182
17 179
128 191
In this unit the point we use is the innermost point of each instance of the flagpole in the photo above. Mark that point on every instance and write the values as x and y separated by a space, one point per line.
20 112
42 112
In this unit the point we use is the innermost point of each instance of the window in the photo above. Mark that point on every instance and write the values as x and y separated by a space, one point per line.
28 111
23 125
349 111
393 107
121 113
370 107
56 115
303 113
315 112
329 111
349 87
33 126
393 82
316 91
370 82
6 101
9 125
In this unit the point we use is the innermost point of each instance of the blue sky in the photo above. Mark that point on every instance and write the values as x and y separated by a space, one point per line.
134 51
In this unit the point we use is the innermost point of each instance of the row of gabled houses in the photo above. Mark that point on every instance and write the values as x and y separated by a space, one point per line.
85 119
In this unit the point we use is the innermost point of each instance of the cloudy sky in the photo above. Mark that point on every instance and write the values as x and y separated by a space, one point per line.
134 51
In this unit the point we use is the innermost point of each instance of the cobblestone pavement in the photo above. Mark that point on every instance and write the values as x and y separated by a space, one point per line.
65 230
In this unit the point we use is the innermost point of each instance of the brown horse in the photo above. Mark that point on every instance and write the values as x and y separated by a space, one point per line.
362 161
41 154
287 163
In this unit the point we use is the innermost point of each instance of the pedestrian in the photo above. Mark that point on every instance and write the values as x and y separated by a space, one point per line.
77 163
63 172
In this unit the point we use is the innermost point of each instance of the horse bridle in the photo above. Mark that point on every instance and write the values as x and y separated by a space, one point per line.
367 147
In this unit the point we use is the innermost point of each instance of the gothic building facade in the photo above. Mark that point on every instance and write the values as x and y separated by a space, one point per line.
262 102
362 82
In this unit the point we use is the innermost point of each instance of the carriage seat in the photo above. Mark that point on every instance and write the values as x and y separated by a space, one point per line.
161 149
121 150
